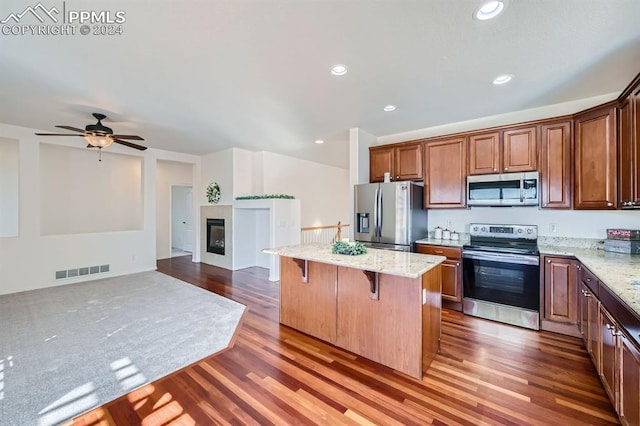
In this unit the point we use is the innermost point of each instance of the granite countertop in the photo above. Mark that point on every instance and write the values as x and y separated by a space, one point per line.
448 243
403 264
619 272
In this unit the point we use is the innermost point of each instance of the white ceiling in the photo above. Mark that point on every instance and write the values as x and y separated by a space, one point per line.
200 76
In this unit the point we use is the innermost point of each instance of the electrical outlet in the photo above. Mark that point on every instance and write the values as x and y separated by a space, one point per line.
553 228
448 223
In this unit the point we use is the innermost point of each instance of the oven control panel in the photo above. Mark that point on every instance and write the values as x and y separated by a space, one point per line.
529 232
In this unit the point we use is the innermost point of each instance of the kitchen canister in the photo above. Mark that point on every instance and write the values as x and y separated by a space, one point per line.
446 234
455 236
437 233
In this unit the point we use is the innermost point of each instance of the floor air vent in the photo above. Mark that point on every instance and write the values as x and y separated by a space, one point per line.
85 270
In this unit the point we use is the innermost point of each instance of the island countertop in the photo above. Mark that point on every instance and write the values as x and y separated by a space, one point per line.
403 264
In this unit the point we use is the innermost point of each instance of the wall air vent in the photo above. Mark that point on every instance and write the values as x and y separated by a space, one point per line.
85 270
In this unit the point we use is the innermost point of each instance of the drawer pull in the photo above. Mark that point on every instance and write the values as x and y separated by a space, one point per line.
438 252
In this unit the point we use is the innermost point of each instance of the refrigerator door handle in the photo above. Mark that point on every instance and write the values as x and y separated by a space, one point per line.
375 214
380 218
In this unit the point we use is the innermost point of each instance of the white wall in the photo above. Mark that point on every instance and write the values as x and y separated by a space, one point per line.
548 111
80 194
168 173
569 223
359 143
216 167
9 200
322 190
30 260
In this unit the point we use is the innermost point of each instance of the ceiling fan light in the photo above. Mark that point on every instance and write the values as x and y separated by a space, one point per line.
99 141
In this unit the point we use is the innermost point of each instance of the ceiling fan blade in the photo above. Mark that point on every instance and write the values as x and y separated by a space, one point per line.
91 146
129 144
57 134
134 137
73 129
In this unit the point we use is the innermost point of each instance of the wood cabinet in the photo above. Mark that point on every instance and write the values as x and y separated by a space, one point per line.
556 167
608 330
451 269
519 149
595 159
445 173
484 153
560 290
629 151
308 297
589 308
629 400
403 161
506 151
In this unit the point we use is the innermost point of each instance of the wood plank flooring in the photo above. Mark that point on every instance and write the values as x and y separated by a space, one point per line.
486 374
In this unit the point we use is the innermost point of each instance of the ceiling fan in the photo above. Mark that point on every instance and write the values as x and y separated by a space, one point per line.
98 135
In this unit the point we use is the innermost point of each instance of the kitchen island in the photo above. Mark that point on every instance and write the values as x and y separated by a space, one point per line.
383 305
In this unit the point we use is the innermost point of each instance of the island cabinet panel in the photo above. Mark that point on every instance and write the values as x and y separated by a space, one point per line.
556 166
484 153
595 159
386 330
519 149
629 408
309 306
445 173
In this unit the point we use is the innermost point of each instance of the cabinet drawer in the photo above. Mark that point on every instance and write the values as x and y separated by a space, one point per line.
589 280
449 252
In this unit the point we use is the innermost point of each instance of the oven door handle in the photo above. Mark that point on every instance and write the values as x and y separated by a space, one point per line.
501 257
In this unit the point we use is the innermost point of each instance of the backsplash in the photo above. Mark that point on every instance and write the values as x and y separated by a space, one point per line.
588 224
583 243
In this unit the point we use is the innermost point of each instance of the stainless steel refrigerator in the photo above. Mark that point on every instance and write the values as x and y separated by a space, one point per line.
390 215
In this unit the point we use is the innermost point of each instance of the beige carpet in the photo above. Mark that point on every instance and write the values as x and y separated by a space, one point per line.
68 349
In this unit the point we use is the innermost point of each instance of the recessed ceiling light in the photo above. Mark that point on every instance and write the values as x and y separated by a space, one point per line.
502 79
319 141
389 108
489 10
339 69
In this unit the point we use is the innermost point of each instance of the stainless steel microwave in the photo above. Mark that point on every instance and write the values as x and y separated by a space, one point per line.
504 189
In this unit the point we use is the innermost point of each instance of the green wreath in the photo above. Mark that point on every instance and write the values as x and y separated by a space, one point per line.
213 193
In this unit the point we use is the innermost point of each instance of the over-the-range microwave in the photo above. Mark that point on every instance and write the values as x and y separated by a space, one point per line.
503 189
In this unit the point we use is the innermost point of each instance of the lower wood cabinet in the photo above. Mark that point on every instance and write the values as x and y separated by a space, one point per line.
629 407
608 329
309 304
451 269
560 290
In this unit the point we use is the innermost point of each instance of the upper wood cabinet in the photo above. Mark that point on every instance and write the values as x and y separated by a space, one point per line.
445 170
555 165
510 150
629 151
595 159
403 161
484 153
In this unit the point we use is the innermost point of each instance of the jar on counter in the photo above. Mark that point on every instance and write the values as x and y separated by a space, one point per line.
446 234
437 233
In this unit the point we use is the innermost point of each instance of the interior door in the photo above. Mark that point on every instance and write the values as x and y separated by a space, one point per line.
187 241
182 218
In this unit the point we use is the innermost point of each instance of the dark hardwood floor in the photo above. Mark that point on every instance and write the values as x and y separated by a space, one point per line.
486 374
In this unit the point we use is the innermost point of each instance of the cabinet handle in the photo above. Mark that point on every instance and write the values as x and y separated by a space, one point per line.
438 251
397 177
609 204
578 267
588 279
506 168
548 260
544 204
495 170
457 263
609 326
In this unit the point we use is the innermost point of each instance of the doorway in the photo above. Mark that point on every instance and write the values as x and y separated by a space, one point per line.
181 220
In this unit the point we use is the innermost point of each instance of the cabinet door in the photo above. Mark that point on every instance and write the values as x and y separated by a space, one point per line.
520 149
629 152
594 338
445 173
364 325
595 160
608 329
451 269
309 306
629 382
560 292
484 153
452 280
408 162
381 160
556 166
583 312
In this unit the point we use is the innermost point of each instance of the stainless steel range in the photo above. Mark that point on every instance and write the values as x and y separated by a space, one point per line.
501 274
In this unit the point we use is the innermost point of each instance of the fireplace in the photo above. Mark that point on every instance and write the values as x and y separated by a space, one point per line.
215 236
